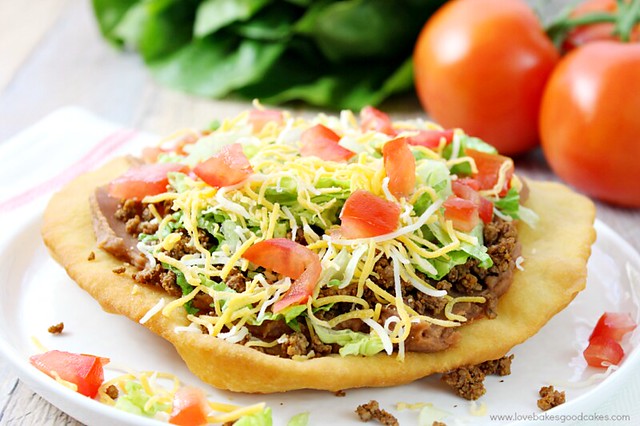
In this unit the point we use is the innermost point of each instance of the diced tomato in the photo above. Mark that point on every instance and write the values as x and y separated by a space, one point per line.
400 166
466 189
373 119
85 371
463 213
291 259
430 138
260 117
188 139
485 210
228 167
189 407
603 349
489 169
322 142
150 154
365 215
613 325
147 179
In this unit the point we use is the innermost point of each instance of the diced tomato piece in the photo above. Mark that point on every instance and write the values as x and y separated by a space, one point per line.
85 371
141 181
189 407
365 215
188 139
150 154
613 325
228 167
373 119
463 213
464 188
430 138
260 117
291 259
400 166
485 210
489 169
603 349
322 142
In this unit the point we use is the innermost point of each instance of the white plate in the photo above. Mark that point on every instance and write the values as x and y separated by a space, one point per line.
37 293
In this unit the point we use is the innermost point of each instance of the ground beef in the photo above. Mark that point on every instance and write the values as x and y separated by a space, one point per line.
202 302
119 270
468 382
372 411
341 393
56 329
500 367
161 277
112 392
236 281
92 256
437 423
550 398
296 344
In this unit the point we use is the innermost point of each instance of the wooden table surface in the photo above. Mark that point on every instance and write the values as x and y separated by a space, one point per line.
51 55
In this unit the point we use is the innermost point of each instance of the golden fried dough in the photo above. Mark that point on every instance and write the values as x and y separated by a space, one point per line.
555 267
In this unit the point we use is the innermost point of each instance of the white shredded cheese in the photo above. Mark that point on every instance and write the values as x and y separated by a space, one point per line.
154 310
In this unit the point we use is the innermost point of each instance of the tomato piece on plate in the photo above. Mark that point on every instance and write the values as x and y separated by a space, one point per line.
260 117
365 215
603 349
489 169
400 166
228 167
291 259
463 213
322 142
85 371
189 407
141 181
430 138
373 119
467 189
613 325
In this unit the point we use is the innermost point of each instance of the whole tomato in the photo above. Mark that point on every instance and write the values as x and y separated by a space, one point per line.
482 65
590 121
583 34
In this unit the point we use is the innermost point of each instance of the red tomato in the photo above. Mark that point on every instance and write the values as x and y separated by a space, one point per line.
463 213
259 118
85 371
400 166
482 65
140 181
430 138
376 120
584 34
603 349
291 259
228 167
189 407
365 215
322 142
613 325
589 121
467 189
489 169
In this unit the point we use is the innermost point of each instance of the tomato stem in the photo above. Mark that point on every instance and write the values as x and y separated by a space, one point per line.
625 19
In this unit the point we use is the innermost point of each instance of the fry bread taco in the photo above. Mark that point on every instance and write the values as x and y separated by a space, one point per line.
279 253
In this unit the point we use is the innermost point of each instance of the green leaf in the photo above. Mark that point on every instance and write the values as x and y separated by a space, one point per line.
135 400
301 419
353 343
167 27
216 67
262 418
215 14
109 13
271 23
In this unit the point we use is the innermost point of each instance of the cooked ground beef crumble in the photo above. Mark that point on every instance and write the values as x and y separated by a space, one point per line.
468 382
550 398
56 329
372 411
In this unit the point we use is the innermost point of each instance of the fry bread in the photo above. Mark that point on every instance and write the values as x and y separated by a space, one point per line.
555 268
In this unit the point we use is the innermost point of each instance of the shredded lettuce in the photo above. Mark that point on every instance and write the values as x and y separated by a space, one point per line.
353 343
301 419
135 400
510 205
262 418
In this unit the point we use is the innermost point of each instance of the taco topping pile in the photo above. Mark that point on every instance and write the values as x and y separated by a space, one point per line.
302 238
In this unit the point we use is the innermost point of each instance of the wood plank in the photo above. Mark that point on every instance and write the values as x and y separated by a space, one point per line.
19 37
